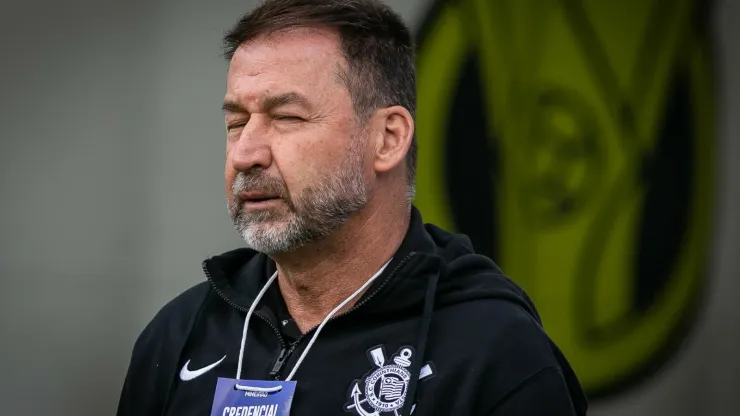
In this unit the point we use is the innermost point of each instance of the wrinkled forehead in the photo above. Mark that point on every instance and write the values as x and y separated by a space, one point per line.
304 56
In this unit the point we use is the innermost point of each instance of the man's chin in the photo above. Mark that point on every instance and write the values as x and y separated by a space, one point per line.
264 216
268 242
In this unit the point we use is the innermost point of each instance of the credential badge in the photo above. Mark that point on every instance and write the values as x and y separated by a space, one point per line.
385 388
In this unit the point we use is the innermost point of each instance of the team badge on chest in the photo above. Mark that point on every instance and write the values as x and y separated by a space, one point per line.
383 391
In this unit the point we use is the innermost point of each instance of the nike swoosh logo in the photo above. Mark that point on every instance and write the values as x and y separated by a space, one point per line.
186 375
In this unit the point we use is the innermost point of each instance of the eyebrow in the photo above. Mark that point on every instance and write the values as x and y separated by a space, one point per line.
232 107
280 100
267 103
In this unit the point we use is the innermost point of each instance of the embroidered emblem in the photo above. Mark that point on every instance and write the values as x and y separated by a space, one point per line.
384 388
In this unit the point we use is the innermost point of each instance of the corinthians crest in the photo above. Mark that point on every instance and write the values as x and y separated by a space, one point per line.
384 390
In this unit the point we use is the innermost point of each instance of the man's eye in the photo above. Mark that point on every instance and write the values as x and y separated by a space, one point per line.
285 117
235 125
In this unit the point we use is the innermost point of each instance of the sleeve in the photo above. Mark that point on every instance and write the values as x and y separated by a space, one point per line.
543 393
525 372
141 393
156 353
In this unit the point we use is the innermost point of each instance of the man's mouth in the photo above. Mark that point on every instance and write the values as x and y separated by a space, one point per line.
257 198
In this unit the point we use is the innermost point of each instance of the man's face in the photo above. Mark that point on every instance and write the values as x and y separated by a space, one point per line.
295 154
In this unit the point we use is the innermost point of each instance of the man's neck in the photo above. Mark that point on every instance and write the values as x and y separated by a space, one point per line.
319 277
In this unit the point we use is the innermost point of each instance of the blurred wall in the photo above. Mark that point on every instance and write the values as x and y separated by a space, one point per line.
111 165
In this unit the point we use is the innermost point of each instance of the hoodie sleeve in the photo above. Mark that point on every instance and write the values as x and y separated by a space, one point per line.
132 400
544 393
156 353
524 372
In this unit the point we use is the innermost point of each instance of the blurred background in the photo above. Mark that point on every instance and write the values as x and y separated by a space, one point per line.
589 146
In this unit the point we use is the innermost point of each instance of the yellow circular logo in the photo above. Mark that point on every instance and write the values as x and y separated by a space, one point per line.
572 140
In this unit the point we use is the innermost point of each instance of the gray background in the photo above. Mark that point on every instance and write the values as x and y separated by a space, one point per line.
111 162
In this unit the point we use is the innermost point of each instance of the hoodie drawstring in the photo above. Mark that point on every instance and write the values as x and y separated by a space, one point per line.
310 343
421 345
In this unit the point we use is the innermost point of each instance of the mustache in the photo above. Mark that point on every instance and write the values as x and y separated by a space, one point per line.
259 182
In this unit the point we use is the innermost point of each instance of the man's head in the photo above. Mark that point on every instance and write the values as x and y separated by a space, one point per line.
319 113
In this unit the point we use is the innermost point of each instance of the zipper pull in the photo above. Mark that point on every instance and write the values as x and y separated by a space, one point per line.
280 363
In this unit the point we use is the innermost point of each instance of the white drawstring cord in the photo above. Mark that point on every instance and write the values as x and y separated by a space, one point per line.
246 322
310 343
259 389
328 317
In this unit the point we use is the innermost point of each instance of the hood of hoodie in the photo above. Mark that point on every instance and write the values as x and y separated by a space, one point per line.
426 252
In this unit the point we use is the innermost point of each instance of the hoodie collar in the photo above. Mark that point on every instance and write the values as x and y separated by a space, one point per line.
240 274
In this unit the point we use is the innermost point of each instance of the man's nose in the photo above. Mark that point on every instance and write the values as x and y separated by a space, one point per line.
251 150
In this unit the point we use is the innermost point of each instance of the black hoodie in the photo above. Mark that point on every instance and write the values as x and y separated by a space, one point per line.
473 333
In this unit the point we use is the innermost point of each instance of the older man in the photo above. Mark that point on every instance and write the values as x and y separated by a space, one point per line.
344 301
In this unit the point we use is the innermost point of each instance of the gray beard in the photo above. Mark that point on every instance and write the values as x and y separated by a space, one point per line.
314 214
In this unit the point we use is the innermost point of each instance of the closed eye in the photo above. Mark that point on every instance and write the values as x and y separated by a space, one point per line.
287 118
236 125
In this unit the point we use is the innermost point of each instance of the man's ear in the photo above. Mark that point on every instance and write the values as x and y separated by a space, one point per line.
394 132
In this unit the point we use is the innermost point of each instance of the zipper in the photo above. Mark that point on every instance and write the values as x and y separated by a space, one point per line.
286 353
238 307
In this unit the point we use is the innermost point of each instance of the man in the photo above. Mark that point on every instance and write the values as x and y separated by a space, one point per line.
344 302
